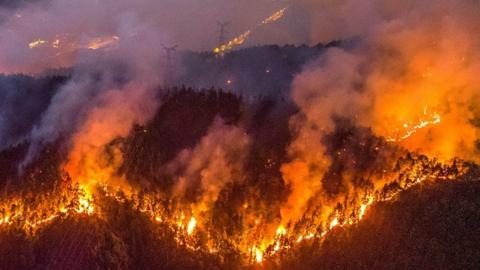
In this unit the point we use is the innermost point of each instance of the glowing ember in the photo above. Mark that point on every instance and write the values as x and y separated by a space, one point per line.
333 223
281 230
364 207
5 220
233 43
258 254
74 201
36 43
99 43
243 37
85 206
56 43
274 17
191 225
409 129
93 44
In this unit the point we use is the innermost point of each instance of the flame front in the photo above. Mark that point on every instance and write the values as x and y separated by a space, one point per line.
80 202
237 41
409 129
191 225
65 44
36 43
99 43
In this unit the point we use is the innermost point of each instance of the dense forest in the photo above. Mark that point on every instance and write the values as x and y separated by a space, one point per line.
239 134
430 226
389 208
263 70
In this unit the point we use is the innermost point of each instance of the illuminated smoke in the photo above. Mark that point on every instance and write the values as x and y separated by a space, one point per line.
60 32
320 94
89 161
216 161
411 80
37 43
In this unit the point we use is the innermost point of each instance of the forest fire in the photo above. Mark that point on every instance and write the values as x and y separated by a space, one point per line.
76 201
36 43
409 128
99 43
65 44
30 216
191 225
360 136
237 41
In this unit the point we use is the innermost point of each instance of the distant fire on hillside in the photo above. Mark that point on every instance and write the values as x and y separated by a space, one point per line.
111 128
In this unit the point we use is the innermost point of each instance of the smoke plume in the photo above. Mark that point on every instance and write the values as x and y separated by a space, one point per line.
55 34
410 79
217 160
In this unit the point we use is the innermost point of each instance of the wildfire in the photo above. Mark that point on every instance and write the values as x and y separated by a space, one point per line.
281 230
81 202
258 254
5 220
233 43
191 225
275 16
74 200
409 129
99 43
334 223
56 43
305 237
36 43
237 41
93 44
85 204
364 207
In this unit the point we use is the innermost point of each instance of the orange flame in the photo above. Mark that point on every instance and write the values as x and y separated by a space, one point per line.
237 41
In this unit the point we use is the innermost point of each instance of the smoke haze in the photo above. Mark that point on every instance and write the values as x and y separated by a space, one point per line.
410 79
395 79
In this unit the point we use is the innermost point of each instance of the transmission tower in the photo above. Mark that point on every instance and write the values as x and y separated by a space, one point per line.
169 51
169 64
222 38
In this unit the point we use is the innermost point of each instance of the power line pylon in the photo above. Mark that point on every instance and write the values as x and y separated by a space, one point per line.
169 63
222 37
169 51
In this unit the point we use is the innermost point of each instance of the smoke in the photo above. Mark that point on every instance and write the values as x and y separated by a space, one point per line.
90 161
109 45
22 101
109 91
67 29
410 79
95 76
309 160
217 160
